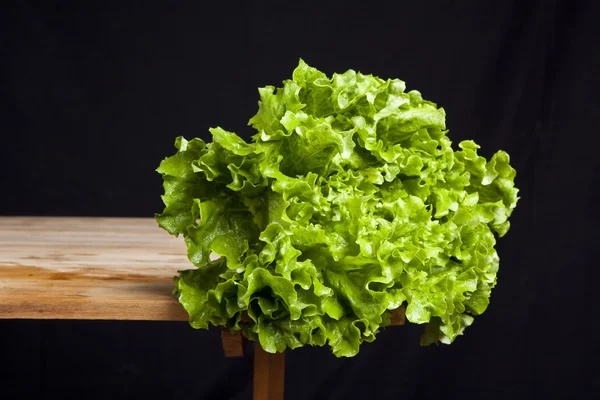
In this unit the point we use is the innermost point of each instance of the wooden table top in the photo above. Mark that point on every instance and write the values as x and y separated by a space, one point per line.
89 268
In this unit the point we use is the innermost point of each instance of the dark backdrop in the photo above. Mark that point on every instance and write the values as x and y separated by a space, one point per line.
93 97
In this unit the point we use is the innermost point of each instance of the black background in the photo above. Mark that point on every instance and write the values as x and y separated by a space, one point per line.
93 97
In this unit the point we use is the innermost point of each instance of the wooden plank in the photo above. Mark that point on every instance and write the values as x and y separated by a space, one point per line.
89 268
269 374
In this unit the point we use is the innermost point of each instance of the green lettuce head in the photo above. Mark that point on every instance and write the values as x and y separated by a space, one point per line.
348 202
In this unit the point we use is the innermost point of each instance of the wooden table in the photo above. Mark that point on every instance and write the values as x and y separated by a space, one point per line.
89 268
108 269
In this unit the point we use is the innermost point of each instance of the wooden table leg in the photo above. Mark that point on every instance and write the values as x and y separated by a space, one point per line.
234 344
398 316
269 374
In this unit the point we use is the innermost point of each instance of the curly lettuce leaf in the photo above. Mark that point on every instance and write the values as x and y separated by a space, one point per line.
348 202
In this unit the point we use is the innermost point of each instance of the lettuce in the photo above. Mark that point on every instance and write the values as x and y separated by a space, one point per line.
348 202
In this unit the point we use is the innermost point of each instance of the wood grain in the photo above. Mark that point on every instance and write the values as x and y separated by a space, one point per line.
89 268
269 374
